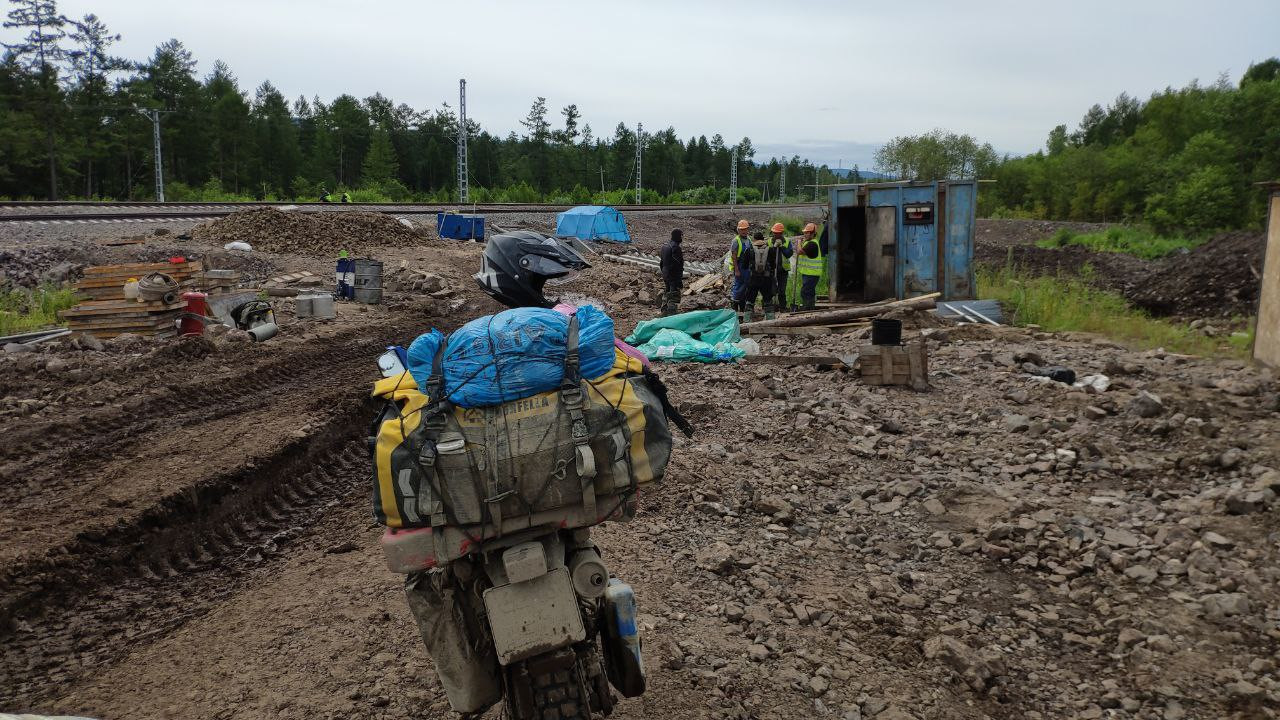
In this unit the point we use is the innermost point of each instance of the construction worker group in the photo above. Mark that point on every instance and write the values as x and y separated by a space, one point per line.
761 269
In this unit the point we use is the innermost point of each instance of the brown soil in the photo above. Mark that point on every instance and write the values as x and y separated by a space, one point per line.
1220 278
188 531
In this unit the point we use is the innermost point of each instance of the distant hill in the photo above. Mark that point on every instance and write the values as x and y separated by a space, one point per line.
866 175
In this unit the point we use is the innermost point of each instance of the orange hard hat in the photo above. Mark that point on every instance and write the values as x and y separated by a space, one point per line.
811 228
778 227
743 224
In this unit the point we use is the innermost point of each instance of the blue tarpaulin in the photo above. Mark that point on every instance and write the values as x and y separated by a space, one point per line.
593 222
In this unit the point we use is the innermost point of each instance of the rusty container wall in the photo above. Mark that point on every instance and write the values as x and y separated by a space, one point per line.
932 227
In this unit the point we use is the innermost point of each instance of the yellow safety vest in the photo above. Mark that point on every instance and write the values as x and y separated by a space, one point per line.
736 253
811 265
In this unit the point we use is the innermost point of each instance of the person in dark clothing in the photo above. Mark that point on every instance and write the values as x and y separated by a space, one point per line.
324 195
761 280
671 262
780 253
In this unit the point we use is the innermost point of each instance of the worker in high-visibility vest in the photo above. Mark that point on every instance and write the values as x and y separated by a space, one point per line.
741 258
810 266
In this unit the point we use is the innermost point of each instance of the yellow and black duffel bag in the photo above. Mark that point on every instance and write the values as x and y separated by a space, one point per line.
448 478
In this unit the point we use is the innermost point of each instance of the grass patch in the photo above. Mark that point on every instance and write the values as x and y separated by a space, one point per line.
1066 303
1135 241
24 310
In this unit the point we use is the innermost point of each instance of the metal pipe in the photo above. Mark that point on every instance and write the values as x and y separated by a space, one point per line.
984 317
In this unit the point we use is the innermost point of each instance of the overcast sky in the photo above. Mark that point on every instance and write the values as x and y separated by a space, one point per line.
826 80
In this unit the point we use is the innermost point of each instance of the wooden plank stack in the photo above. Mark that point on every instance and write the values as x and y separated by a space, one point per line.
215 282
895 365
107 313
106 282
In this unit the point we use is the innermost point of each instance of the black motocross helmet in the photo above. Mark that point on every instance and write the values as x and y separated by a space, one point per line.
517 264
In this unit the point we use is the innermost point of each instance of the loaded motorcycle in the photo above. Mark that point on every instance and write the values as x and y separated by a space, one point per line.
489 507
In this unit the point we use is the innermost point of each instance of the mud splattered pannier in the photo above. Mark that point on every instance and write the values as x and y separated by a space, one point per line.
448 478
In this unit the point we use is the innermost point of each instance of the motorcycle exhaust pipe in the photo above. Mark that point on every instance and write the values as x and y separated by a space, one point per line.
590 576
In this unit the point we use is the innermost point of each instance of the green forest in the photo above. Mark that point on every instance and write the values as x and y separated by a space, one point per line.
1187 160
73 125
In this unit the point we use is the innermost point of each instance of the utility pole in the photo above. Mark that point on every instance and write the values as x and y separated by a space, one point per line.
639 152
815 183
733 177
782 185
462 141
154 116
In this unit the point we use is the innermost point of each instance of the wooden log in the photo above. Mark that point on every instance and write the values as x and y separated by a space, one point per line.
792 360
832 317
807 330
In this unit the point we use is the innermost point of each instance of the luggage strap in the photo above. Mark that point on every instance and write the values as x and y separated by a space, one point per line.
432 424
574 400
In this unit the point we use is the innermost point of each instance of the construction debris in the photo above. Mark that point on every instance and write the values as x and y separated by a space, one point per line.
705 283
107 312
974 311
651 262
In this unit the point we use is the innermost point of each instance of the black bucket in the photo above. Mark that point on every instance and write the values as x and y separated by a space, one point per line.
886 332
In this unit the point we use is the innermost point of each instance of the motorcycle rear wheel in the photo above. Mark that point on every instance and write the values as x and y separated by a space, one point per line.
576 689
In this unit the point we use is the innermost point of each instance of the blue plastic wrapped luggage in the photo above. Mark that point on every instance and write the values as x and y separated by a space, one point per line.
512 355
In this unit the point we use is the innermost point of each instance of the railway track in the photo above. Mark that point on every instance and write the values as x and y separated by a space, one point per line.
80 212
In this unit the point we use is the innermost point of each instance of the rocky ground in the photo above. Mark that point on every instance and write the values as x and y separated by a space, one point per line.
188 531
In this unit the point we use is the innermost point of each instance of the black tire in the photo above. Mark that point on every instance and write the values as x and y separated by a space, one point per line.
558 696
578 691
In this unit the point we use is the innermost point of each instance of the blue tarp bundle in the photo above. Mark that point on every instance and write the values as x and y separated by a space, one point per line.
512 355
593 222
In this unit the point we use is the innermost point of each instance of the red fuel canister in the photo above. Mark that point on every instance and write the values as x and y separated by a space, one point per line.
192 322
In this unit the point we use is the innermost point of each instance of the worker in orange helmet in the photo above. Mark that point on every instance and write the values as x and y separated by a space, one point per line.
810 265
741 258
779 252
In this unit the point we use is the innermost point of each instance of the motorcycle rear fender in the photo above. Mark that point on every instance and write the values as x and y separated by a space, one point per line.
533 617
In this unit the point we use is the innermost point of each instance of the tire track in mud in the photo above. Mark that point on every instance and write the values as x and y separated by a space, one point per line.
62 616
45 454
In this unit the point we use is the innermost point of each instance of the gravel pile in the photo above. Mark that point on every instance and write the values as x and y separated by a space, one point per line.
326 234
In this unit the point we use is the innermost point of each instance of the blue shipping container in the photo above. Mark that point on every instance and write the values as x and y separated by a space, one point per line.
901 239
456 226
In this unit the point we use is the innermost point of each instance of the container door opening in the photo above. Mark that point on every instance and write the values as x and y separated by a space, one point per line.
851 251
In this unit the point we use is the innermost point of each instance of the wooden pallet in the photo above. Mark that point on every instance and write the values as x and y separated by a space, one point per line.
895 365
106 282
106 313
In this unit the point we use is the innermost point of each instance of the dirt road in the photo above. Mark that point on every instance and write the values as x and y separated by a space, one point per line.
188 531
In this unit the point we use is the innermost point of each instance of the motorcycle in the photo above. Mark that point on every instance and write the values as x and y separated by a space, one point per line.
529 617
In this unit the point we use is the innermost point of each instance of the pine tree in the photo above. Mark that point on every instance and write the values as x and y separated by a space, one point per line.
93 64
380 162
40 53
